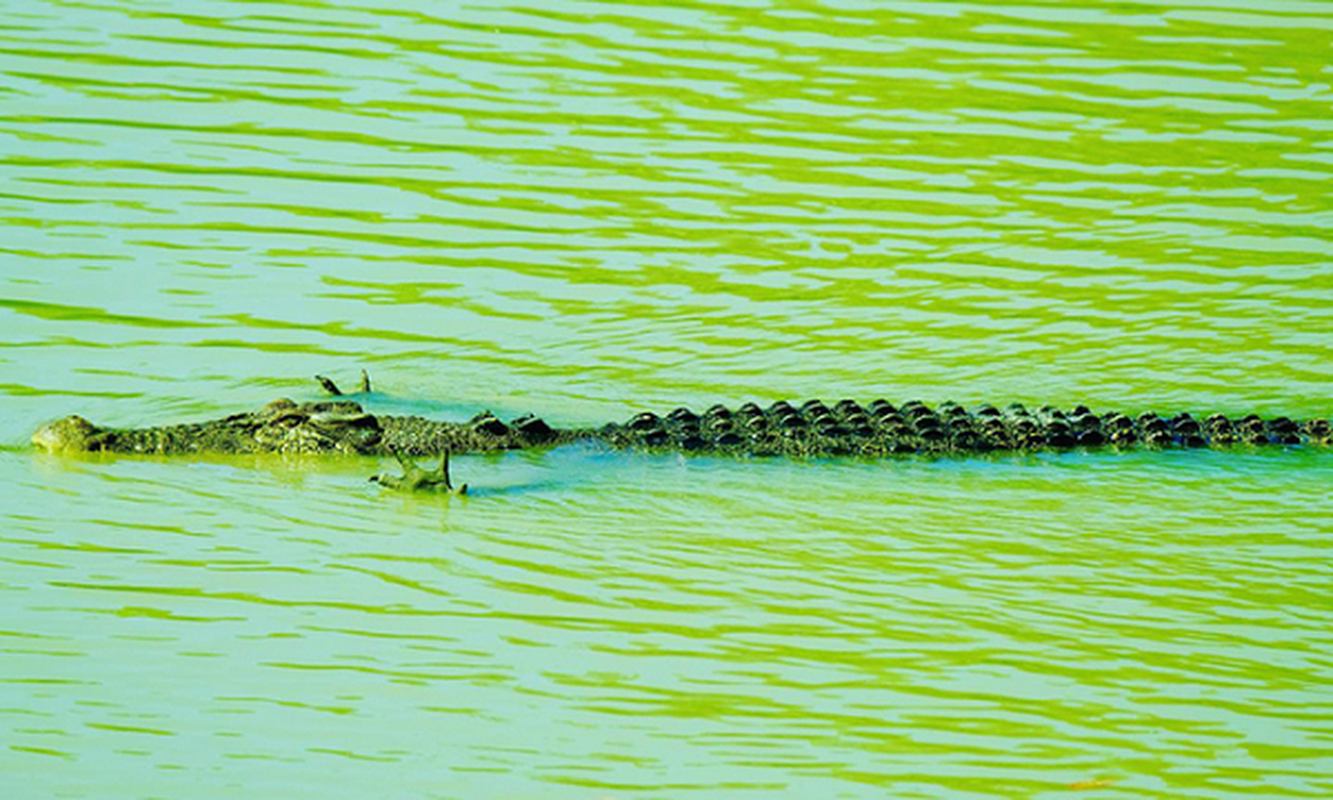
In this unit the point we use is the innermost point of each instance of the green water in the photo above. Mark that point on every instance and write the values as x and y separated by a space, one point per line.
587 209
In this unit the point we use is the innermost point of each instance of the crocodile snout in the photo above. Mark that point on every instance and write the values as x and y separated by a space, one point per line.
73 433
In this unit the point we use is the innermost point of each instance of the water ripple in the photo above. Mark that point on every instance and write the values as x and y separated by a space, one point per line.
585 208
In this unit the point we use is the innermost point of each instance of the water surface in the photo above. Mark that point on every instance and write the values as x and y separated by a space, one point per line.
586 209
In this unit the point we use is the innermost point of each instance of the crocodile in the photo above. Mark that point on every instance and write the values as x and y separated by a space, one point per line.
808 430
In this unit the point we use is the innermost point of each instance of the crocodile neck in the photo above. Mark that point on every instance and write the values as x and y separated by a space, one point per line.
419 436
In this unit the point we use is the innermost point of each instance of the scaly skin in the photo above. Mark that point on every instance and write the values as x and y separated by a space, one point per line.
813 430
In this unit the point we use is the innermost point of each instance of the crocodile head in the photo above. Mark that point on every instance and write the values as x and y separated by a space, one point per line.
73 434
279 427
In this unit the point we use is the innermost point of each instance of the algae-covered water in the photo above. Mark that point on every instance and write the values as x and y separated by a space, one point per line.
586 209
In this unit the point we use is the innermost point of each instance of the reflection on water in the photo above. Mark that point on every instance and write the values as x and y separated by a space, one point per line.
582 209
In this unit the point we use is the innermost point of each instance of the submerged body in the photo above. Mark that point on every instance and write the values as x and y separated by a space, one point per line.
810 430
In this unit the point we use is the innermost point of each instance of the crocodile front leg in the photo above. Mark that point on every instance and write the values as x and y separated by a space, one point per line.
416 479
